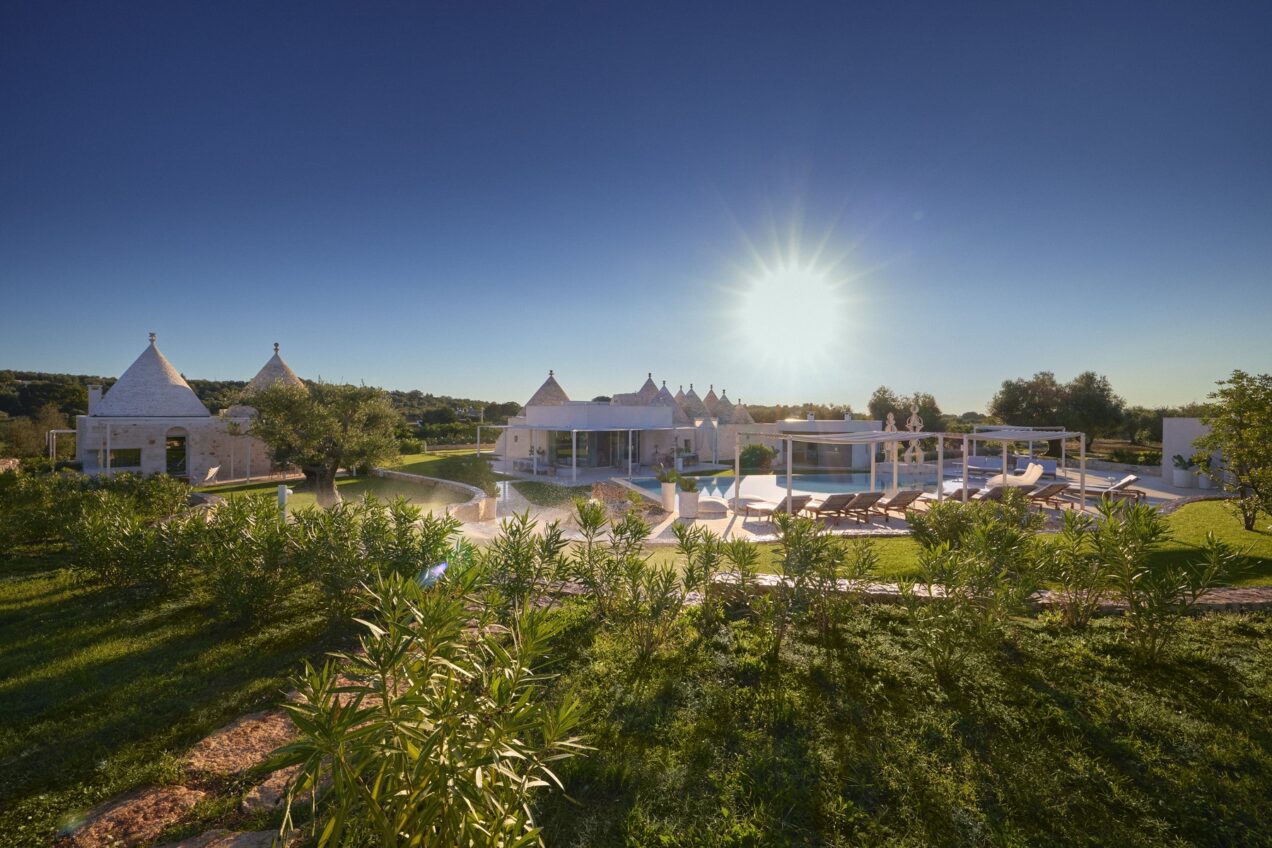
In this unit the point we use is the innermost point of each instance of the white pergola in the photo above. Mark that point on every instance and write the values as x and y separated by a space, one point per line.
875 438
574 440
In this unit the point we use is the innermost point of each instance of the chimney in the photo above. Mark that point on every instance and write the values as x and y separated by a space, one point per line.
847 416
812 417
94 397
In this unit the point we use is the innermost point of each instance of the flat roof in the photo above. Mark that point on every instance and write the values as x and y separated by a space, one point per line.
558 428
874 437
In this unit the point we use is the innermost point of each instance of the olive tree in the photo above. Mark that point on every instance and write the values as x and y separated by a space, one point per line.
324 427
1240 422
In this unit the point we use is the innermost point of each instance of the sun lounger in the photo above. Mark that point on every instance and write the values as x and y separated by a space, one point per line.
993 493
1049 495
1120 489
899 502
831 505
957 494
861 506
1030 478
765 509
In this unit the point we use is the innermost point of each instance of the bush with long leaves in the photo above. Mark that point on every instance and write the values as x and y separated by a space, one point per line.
245 552
523 564
437 731
1156 597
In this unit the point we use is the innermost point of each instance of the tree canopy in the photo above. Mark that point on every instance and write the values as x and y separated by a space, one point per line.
1087 403
324 427
1240 422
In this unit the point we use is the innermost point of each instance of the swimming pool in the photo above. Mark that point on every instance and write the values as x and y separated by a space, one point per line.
766 485
773 486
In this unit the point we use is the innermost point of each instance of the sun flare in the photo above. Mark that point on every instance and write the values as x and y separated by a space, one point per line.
791 315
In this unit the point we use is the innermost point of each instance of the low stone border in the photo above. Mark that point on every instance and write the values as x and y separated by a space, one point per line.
479 506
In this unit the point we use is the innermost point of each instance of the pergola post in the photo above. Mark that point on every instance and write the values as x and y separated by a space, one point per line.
737 469
790 466
895 463
249 460
479 440
940 465
964 469
574 456
1005 445
534 457
874 455
1063 464
629 454
1082 469
108 448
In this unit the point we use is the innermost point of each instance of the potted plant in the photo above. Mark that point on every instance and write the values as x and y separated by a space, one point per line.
1202 463
667 478
688 497
1183 476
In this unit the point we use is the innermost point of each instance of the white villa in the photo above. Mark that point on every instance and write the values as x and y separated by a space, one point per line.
652 428
151 422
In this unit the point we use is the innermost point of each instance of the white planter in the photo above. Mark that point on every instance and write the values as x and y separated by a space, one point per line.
1183 478
1205 481
669 497
688 504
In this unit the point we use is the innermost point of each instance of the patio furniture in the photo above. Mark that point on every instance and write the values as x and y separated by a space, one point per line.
1121 489
1048 465
792 505
861 506
1049 495
831 505
899 502
993 493
956 494
210 477
1030 478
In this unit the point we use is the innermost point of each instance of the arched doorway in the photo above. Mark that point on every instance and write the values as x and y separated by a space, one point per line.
175 452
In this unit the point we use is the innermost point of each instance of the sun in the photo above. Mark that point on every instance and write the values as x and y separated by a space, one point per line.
791 314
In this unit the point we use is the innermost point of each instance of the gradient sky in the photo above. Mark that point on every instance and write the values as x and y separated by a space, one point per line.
459 196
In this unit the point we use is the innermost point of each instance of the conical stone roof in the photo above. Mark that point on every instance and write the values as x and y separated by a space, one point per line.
274 371
680 395
648 391
151 388
692 405
711 400
724 409
741 415
549 394
678 416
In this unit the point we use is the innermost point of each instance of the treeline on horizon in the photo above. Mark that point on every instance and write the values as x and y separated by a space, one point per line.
1087 403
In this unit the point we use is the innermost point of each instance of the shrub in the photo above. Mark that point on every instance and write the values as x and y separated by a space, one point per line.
440 730
245 552
701 554
115 546
1079 576
1155 598
523 564
757 458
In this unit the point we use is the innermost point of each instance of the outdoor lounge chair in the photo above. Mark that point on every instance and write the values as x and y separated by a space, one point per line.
831 505
993 493
765 509
1049 495
957 494
1030 478
1120 489
899 502
861 506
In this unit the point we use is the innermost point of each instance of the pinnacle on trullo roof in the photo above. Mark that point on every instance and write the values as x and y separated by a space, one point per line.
742 415
680 395
549 394
151 388
711 400
692 405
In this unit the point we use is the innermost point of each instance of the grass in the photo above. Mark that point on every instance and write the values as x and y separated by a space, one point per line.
1049 738
550 494
460 466
100 691
428 497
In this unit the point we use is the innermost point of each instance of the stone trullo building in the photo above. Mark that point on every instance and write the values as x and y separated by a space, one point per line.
151 422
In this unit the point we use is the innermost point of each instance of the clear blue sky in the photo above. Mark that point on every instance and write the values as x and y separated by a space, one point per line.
459 196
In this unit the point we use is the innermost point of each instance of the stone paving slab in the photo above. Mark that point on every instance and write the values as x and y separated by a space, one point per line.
241 744
134 819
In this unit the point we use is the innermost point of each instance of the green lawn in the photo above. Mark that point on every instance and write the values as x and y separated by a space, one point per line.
460 466
1045 738
99 691
425 496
